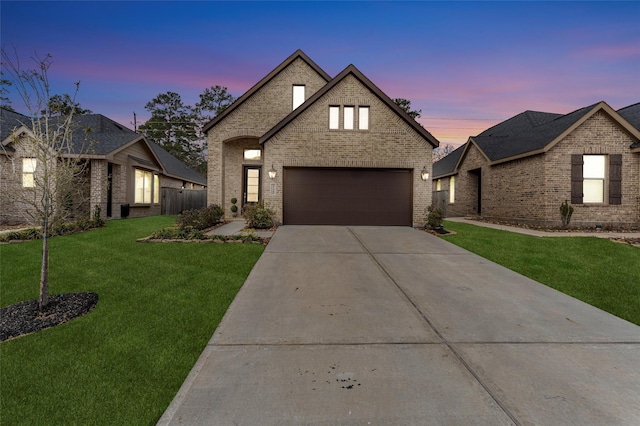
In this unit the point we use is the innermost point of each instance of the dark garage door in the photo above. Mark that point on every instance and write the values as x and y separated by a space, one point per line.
322 196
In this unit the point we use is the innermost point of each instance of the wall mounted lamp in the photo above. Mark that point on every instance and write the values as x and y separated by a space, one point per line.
272 173
424 175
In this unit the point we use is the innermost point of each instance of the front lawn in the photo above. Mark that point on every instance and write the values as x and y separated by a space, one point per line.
595 270
124 361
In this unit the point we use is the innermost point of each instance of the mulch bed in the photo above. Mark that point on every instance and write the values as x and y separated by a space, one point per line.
24 317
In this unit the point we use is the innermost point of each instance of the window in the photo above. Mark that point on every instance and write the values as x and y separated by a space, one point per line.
452 189
348 117
156 189
363 118
439 185
298 95
252 154
334 117
594 175
28 170
143 185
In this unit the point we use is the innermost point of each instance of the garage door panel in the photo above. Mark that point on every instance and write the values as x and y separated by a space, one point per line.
318 196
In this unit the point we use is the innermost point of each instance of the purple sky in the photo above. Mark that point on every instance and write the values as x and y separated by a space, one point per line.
466 65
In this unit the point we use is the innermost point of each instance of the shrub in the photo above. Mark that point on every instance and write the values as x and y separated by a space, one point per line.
200 219
435 217
566 210
258 216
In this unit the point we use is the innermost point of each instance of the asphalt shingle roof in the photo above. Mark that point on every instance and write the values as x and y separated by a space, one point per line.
175 167
526 132
95 134
447 164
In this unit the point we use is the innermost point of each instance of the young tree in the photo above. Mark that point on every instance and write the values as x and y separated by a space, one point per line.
5 102
52 171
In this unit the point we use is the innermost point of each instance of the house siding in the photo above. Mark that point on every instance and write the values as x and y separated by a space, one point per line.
243 127
389 143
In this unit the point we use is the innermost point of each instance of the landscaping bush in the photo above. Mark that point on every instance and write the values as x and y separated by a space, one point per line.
435 217
258 216
200 218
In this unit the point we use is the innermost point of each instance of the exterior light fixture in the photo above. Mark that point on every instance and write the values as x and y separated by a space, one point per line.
424 174
272 173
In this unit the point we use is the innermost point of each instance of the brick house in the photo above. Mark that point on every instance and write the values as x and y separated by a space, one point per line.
320 150
124 168
522 169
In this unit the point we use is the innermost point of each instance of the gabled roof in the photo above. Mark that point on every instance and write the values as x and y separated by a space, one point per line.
352 70
631 114
176 168
297 54
97 136
531 133
10 121
447 165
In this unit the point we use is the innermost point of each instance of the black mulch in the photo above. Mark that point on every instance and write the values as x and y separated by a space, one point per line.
24 317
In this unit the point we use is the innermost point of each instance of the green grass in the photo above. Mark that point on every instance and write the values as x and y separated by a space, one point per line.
123 362
595 270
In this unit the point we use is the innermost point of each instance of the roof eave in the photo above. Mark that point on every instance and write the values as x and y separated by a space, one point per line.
297 54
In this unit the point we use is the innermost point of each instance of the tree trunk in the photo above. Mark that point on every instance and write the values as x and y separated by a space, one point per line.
43 298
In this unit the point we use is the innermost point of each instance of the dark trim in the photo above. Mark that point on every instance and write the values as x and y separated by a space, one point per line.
615 179
352 70
297 54
576 179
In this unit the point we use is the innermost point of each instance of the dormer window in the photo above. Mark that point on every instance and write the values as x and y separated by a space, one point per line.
298 95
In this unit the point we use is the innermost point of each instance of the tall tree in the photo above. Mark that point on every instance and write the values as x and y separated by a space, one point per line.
51 175
5 101
64 105
214 100
174 126
405 104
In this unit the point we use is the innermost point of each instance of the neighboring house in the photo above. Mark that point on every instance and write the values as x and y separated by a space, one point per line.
320 150
125 171
522 169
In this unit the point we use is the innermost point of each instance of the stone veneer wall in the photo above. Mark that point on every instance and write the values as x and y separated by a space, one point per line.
248 122
389 143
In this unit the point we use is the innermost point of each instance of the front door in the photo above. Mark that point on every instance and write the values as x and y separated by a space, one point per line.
251 184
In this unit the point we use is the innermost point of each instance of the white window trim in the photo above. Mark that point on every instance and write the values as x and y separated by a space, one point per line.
363 118
150 191
348 113
596 175
452 190
334 117
29 166
298 95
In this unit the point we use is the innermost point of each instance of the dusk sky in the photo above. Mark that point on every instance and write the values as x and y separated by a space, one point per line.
466 65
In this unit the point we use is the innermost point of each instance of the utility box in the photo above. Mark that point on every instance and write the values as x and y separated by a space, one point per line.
124 210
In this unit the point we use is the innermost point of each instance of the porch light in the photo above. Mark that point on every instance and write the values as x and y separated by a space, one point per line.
424 174
272 173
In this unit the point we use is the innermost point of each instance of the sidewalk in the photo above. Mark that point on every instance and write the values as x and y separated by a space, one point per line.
538 233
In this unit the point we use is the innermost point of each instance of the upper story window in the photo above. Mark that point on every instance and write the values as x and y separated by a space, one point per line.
363 118
593 173
28 171
298 95
252 154
348 117
334 117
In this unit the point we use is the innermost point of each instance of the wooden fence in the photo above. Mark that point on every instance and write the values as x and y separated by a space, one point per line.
174 201
440 199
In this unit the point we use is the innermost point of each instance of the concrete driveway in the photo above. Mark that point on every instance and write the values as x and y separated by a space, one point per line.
391 325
